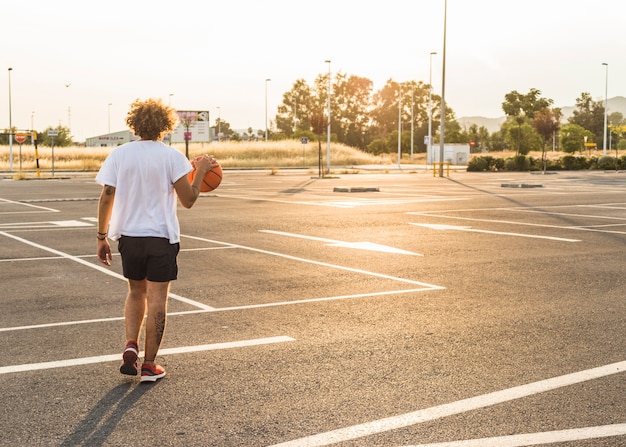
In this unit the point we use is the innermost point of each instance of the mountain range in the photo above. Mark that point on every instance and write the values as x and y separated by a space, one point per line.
616 104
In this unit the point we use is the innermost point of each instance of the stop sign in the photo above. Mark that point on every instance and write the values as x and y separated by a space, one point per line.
20 137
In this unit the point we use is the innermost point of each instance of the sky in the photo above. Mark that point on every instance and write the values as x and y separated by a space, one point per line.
80 64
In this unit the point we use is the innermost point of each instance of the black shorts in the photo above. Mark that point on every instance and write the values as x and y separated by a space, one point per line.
151 258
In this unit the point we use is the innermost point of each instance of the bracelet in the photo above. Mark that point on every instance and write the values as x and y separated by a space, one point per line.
101 238
102 234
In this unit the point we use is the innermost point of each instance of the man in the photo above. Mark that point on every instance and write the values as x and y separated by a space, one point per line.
142 182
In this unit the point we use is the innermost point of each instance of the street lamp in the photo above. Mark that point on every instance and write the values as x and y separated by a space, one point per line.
266 81
430 107
443 91
399 124
169 100
606 110
328 130
10 126
110 117
32 128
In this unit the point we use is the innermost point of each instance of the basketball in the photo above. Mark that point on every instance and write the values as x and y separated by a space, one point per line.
211 180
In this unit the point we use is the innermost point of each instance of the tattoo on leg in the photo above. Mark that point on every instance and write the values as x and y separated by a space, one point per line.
159 324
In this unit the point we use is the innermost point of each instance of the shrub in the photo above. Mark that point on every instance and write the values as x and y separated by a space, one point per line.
606 162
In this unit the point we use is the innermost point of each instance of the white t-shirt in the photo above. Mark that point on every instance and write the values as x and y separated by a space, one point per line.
143 174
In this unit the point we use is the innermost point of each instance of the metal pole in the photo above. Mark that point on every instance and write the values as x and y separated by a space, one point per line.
430 108
399 124
109 117
443 92
266 81
10 126
412 119
328 130
606 89
32 128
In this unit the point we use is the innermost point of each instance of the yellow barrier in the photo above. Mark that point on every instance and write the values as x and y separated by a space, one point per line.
438 164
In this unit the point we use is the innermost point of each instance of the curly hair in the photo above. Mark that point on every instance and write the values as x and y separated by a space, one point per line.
151 119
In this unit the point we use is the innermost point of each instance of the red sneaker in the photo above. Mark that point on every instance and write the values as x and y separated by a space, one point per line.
129 359
151 373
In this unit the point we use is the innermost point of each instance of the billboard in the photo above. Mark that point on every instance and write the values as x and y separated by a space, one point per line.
193 126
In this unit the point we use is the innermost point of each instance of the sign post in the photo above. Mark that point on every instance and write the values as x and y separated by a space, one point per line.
20 138
52 134
304 140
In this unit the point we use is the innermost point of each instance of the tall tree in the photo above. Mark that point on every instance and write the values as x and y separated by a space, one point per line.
546 122
521 108
589 114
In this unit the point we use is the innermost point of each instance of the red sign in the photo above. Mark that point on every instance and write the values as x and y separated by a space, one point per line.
20 137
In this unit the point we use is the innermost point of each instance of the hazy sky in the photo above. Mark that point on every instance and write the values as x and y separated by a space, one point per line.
210 54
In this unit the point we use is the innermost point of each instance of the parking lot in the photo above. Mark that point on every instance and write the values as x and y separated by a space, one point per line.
389 308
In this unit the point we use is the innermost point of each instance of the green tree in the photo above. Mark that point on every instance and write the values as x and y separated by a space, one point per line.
295 111
521 108
63 139
546 122
573 138
590 115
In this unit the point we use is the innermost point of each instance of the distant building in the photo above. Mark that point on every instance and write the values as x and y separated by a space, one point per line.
111 139
453 153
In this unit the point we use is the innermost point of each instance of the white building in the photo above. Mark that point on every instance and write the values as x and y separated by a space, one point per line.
453 153
111 139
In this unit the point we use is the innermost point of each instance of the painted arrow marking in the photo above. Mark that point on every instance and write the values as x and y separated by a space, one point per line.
503 233
357 245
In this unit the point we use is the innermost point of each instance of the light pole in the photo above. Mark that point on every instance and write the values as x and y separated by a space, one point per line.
412 118
10 126
443 91
328 129
430 107
266 81
32 128
219 124
399 124
606 111
110 117
169 100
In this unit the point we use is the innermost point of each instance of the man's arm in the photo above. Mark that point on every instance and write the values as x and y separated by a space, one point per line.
105 206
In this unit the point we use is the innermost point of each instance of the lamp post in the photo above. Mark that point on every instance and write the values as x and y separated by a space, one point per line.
399 124
266 81
412 119
10 126
606 111
169 100
430 107
32 128
328 129
110 117
443 92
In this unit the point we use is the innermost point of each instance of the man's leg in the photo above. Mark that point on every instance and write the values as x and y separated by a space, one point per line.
135 308
156 293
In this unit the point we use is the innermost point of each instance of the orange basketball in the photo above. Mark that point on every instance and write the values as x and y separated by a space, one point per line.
211 180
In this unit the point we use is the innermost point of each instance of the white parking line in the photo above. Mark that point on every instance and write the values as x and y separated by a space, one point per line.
96 267
117 357
453 408
528 439
38 208
501 233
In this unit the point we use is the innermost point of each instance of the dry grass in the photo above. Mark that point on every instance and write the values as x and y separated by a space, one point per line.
289 153
271 155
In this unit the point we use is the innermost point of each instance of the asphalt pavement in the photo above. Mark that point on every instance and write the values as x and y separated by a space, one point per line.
386 308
